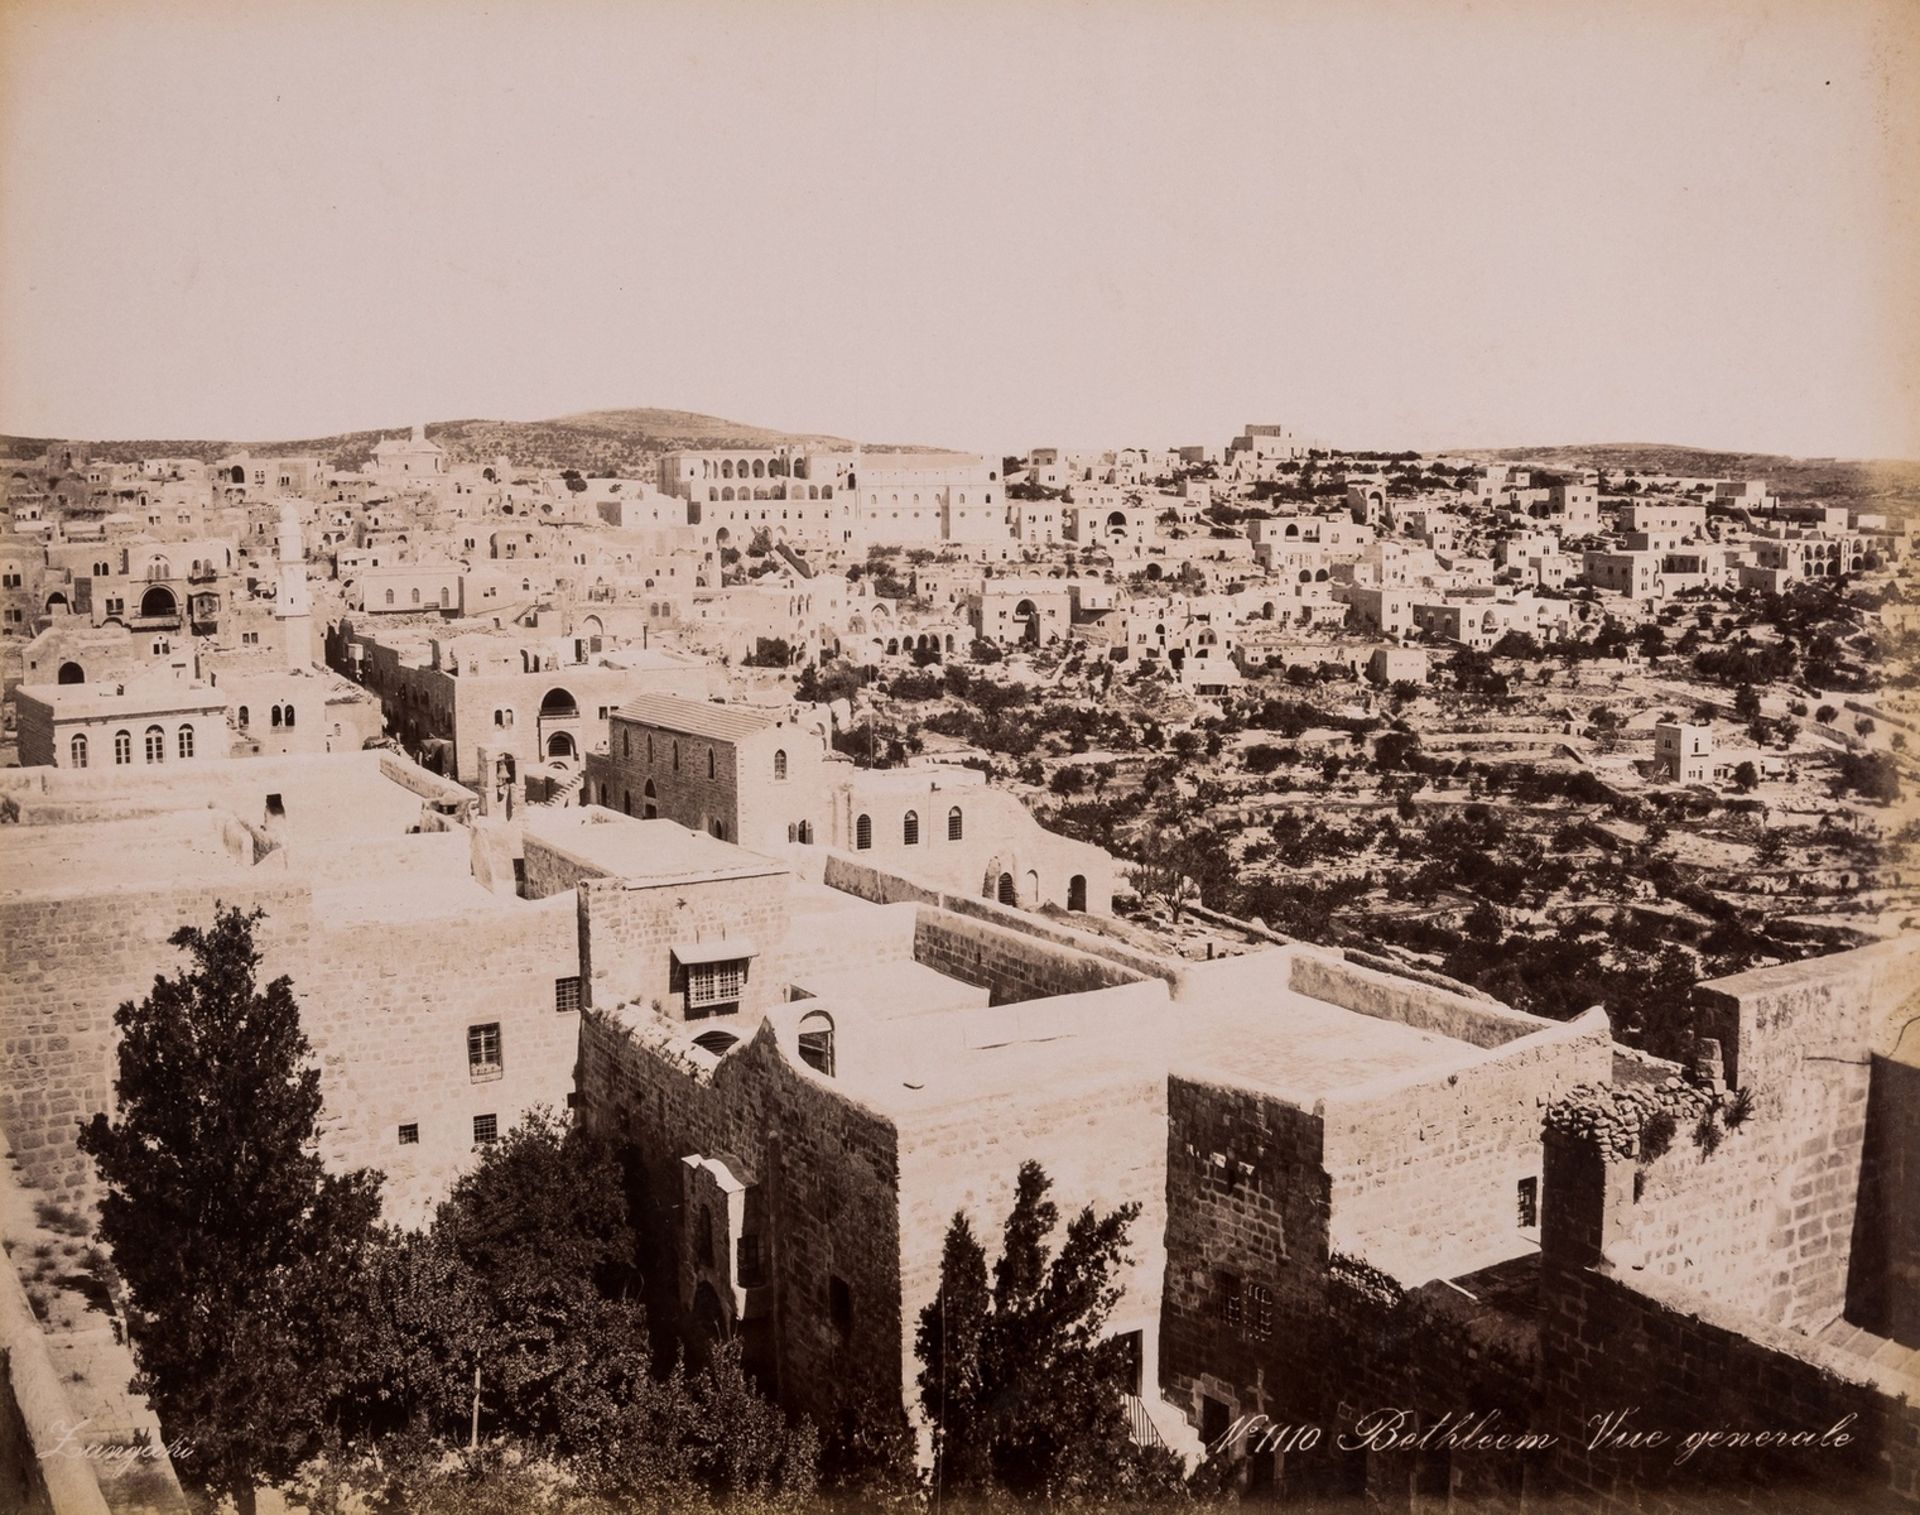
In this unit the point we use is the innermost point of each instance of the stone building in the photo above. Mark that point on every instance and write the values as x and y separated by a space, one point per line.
441 1007
766 779
1682 752
531 697
145 724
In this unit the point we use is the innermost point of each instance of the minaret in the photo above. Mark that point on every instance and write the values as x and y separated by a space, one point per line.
292 605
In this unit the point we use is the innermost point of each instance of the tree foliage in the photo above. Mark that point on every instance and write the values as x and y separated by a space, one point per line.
240 1253
1025 1394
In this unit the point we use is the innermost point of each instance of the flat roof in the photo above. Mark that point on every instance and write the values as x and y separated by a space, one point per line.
176 847
1307 1046
625 847
70 702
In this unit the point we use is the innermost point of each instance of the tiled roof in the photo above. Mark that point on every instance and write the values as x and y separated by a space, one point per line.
727 723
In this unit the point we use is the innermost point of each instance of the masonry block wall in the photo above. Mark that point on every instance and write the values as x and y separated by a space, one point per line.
388 1006
675 764
1011 964
1100 1136
1247 1206
827 1170
1264 1315
72 957
628 929
1764 1220
385 1004
1426 1169
1682 1362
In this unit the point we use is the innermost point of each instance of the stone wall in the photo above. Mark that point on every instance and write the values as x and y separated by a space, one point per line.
628 929
1010 964
71 958
1684 1363
41 1471
826 1172
1426 1168
1100 1136
387 1005
1324 976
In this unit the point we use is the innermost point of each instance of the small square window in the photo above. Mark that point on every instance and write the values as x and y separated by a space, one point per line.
410 1135
566 993
486 1128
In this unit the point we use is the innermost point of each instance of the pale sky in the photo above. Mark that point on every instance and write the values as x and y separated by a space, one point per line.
988 224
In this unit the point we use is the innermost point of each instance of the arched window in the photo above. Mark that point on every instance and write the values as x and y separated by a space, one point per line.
676 755
910 829
289 715
816 1041
626 743
416 596
780 763
1006 889
77 751
955 829
186 741
276 717
650 797
712 764
863 833
242 717
156 745
123 747
389 596
806 833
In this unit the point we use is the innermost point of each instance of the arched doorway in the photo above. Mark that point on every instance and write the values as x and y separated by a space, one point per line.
1028 615
1077 892
71 673
159 601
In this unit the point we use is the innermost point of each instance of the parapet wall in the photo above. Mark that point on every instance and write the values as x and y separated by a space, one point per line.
1682 1363
1426 1168
1010 964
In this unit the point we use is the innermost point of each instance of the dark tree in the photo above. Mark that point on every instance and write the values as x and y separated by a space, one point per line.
1025 1395
238 1250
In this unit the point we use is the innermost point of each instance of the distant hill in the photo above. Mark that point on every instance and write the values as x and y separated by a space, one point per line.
596 442
1889 485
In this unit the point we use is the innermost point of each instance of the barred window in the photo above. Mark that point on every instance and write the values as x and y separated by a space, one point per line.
566 993
714 988
410 1135
1527 1203
1259 1312
483 1050
486 1128
1232 1306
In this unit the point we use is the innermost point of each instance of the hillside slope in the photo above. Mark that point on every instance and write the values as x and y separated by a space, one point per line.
624 442
1884 484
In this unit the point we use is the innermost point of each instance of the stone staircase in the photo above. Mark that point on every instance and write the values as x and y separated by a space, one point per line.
566 793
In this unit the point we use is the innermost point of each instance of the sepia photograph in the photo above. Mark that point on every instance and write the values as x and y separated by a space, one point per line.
961 758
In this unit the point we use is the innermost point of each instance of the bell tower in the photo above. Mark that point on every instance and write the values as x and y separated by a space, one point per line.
293 606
